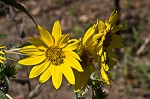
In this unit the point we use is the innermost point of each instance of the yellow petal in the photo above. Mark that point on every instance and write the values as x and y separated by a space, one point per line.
102 58
101 26
73 41
71 46
73 54
100 48
57 31
105 67
1 52
75 66
108 25
95 37
46 36
37 42
57 77
1 61
2 47
31 50
39 69
114 17
68 73
74 63
47 74
63 41
88 35
104 54
104 76
2 58
34 60
91 45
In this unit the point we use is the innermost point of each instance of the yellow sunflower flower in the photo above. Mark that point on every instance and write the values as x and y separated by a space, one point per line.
2 53
52 55
107 41
86 51
107 31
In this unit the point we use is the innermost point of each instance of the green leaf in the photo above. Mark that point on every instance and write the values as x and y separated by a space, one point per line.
2 95
18 6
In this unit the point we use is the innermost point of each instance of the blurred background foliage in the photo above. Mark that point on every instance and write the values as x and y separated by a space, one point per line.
131 77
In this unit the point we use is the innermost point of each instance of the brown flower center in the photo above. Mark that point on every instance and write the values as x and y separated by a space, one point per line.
55 55
107 40
86 57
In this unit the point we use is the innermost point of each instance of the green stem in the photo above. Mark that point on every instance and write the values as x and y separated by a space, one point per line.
77 95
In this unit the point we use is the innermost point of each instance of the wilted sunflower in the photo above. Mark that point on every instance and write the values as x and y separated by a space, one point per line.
52 55
107 41
86 51
2 53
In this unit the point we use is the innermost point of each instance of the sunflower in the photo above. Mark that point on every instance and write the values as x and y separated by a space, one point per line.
107 30
108 40
2 53
87 53
52 55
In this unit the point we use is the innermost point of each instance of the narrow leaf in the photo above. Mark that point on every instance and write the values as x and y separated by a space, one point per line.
18 6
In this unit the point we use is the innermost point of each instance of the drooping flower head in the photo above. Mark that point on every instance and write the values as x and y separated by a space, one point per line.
2 53
108 40
107 31
52 55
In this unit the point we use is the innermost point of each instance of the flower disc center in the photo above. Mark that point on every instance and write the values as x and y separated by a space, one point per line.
107 40
86 57
55 55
